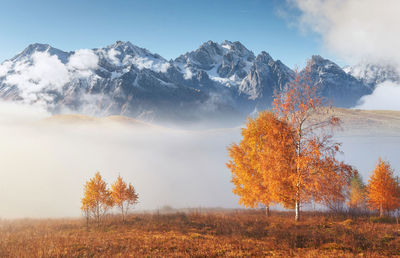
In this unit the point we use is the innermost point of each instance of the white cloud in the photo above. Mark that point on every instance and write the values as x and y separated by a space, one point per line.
46 71
83 59
112 55
188 74
14 113
358 31
385 97
353 29
4 68
150 63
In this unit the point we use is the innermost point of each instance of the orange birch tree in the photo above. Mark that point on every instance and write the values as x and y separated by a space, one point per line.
263 150
315 164
123 196
383 189
288 157
96 199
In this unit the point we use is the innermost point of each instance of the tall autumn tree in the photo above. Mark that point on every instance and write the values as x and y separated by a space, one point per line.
383 189
97 199
124 196
265 148
288 156
357 194
305 112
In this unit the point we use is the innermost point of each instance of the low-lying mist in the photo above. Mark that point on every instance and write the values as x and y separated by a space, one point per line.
44 164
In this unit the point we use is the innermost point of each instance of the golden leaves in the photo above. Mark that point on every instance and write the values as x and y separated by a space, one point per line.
383 188
123 195
288 156
98 199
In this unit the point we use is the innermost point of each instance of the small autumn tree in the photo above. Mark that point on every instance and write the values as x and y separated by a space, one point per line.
357 194
124 196
96 200
383 189
334 184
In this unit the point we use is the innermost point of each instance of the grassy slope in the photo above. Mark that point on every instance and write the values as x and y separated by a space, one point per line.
369 122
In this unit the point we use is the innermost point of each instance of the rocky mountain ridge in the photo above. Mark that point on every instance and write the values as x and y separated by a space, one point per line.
215 81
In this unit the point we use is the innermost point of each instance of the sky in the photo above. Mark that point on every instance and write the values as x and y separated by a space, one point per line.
168 27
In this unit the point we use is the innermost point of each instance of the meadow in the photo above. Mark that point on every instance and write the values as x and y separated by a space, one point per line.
200 233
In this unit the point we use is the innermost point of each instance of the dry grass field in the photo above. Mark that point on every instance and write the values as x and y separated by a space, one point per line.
199 234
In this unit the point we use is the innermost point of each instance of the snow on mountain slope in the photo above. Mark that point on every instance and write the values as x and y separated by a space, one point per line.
372 74
226 63
215 81
335 84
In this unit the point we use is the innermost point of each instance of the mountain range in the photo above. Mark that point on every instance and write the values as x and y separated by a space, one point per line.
218 80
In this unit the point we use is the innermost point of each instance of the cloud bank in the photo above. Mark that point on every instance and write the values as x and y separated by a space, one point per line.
358 31
353 29
44 165
46 71
386 96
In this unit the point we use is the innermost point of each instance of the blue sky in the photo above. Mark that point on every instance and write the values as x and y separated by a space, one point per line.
167 27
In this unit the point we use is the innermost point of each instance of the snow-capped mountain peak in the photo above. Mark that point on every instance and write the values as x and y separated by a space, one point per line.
373 74
122 78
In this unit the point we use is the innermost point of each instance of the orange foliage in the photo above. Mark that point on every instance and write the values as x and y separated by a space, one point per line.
97 199
265 149
289 157
383 188
123 196
315 164
357 194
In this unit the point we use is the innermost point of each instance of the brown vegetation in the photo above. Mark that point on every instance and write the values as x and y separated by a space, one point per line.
217 233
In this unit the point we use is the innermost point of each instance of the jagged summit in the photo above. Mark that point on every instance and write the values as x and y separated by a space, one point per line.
39 47
217 80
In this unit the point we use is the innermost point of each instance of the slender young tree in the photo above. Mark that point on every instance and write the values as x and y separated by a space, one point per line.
334 184
123 196
383 189
96 200
357 194
301 107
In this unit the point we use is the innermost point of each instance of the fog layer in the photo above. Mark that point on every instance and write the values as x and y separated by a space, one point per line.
44 165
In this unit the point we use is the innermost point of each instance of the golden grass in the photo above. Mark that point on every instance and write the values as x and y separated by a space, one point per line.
233 233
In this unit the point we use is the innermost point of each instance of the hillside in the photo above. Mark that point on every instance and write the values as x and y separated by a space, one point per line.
369 122
354 121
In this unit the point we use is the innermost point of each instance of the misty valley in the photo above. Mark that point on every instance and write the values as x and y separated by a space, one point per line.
226 128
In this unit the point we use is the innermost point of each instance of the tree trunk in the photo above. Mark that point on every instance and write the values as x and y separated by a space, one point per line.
122 211
87 219
381 211
267 211
297 216
297 204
